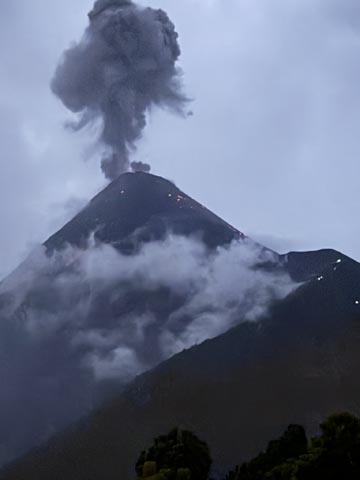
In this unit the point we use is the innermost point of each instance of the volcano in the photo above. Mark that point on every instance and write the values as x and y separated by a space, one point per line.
140 207
50 312
296 363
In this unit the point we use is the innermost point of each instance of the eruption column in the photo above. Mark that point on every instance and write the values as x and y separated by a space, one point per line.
123 66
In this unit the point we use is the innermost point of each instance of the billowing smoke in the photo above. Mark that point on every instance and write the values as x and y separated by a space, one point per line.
124 65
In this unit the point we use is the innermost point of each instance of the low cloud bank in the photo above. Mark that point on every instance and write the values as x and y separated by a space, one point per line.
84 321
89 295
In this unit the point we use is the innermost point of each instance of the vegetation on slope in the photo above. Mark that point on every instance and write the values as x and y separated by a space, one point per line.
180 455
333 455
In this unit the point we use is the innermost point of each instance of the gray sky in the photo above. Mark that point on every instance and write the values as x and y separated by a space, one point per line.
273 146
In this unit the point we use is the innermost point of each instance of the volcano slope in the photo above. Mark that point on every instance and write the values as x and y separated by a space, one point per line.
111 295
297 364
139 207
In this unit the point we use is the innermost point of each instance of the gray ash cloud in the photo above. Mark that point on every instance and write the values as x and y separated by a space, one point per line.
124 65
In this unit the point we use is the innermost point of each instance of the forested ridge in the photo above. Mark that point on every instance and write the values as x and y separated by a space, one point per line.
333 454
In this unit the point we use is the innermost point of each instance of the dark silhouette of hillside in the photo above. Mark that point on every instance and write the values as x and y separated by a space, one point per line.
333 454
140 207
297 365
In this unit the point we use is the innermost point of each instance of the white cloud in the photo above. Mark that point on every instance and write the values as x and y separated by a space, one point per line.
121 364
209 292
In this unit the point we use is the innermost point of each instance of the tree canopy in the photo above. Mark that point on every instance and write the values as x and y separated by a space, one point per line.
180 455
333 455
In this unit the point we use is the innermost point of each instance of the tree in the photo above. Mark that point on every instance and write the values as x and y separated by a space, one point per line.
336 453
290 445
180 455
333 455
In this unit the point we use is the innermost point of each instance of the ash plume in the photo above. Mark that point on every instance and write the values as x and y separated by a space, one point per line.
123 66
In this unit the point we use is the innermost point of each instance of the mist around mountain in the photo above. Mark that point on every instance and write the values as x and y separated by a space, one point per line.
140 274
267 339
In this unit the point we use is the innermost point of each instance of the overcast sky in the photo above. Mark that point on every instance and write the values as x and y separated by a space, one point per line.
273 146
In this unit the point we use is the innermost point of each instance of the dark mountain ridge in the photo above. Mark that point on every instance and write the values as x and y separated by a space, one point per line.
140 207
202 388
297 365
57 324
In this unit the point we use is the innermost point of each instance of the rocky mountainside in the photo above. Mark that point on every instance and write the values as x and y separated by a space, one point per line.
139 274
141 207
86 312
298 364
